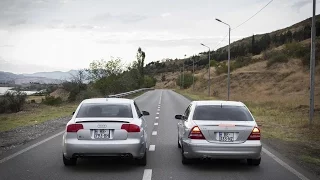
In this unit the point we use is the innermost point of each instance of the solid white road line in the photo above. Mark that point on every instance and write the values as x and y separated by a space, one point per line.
28 148
157 117
152 147
156 124
147 174
154 133
287 166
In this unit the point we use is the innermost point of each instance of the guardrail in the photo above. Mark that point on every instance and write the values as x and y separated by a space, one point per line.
129 93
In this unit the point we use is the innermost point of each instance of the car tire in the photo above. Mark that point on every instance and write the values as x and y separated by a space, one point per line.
143 160
69 162
179 146
254 162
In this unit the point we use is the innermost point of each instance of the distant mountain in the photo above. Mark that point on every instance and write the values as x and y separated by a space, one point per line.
7 77
54 75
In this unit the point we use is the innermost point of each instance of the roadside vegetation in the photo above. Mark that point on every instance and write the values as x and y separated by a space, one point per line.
102 78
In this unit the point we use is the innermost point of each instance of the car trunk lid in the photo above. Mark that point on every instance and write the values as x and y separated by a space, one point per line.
225 131
102 128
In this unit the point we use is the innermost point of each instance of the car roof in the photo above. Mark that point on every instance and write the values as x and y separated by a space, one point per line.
108 100
218 102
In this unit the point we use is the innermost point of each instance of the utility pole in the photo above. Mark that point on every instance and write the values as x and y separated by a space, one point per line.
193 74
183 71
180 78
312 63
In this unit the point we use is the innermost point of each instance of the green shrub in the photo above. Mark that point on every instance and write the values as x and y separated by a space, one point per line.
277 58
188 79
241 62
221 68
296 50
268 54
52 101
213 63
149 82
12 101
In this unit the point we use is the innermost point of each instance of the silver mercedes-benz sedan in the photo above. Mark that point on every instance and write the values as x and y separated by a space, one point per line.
106 127
219 130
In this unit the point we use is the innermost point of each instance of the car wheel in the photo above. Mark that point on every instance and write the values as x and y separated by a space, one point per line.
254 162
185 160
69 162
179 146
143 160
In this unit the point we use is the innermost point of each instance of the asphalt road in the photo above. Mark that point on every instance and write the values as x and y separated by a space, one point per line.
44 161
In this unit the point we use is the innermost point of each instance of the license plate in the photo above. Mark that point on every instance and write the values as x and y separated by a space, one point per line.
226 137
101 133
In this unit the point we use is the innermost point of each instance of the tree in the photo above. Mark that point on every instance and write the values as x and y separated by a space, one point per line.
289 36
140 58
101 68
253 45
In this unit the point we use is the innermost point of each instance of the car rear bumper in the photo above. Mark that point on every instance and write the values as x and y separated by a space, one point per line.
86 148
205 149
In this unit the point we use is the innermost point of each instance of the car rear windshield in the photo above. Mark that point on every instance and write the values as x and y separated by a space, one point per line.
222 113
105 110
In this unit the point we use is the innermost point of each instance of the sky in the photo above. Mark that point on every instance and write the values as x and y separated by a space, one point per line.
51 35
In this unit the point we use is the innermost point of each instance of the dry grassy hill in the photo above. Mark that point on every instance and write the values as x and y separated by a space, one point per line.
283 82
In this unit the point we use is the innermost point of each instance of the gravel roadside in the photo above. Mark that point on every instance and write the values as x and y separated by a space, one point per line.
19 136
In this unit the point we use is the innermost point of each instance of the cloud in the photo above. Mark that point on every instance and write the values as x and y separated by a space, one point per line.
18 22
298 5
6 46
165 15
123 18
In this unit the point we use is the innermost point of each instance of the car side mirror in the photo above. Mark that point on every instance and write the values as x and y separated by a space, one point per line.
180 117
145 113
73 113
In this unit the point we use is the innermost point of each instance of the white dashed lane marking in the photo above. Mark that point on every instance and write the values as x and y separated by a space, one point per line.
157 117
154 133
152 147
147 174
158 113
156 124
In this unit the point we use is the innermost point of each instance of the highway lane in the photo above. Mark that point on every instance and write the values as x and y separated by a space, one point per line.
45 161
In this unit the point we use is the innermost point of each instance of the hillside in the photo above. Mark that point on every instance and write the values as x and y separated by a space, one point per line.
54 75
249 46
10 78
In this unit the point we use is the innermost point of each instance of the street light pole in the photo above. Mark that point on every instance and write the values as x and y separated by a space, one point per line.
209 83
228 57
193 74
312 63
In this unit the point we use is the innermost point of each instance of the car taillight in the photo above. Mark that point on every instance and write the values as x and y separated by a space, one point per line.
74 127
196 133
255 134
130 127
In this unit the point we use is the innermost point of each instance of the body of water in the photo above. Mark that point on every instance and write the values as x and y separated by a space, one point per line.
5 89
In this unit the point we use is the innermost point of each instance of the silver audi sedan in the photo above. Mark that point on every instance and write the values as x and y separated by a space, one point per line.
219 130
106 127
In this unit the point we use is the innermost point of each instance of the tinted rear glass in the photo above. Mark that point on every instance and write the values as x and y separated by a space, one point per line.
105 110
224 113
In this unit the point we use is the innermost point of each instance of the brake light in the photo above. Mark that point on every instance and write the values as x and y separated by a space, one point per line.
196 133
130 127
74 127
255 134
